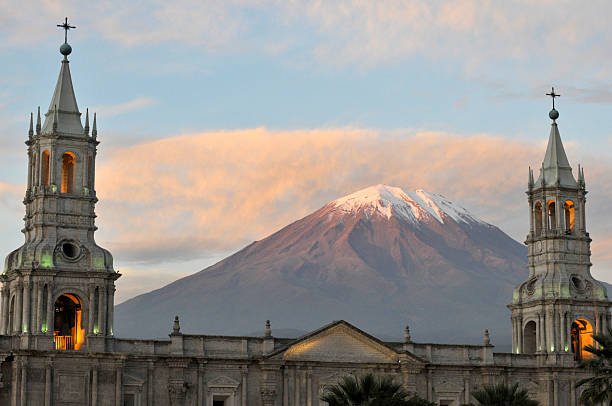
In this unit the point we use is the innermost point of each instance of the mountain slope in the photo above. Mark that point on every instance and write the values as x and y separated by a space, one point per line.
380 258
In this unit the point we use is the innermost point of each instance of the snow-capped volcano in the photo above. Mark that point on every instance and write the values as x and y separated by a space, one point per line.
415 207
380 258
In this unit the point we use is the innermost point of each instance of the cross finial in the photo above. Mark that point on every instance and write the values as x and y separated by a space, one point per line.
66 27
553 95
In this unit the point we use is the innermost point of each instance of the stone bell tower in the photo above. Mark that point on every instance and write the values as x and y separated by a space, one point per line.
560 306
58 287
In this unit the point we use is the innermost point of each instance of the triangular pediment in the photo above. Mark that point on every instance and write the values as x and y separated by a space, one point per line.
339 342
223 381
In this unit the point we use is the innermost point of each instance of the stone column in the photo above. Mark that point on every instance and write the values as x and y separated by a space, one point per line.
92 309
555 389
118 382
309 387
50 309
48 366
94 386
243 389
466 390
550 340
563 318
296 386
572 391
520 334
429 385
538 333
5 311
285 386
26 307
101 310
52 165
15 382
30 164
150 384
18 309
39 308
514 346
24 382
111 309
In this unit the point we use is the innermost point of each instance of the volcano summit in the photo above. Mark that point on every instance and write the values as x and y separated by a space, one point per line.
381 257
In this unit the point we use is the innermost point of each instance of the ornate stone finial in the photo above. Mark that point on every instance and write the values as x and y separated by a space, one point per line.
94 130
86 130
31 130
268 330
554 114
176 327
487 339
407 338
38 122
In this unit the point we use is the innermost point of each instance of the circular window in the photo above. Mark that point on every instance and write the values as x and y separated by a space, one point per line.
577 282
70 250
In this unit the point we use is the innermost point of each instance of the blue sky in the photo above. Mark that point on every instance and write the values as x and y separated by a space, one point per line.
338 81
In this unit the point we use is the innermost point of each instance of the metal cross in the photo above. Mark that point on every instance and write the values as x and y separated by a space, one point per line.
66 27
553 95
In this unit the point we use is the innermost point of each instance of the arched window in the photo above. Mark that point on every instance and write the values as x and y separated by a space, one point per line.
44 170
529 338
569 216
68 333
68 171
552 217
582 335
538 218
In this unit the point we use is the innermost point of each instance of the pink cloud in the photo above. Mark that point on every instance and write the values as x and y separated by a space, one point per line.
220 190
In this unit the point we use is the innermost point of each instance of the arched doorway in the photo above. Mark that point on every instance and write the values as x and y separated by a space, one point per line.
582 335
529 338
67 331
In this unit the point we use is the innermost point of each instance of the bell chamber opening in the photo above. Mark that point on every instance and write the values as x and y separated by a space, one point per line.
67 331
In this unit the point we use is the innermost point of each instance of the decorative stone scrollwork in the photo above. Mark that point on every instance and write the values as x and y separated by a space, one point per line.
530 286
177 391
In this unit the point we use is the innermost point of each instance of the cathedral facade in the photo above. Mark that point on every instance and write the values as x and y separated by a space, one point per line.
57 346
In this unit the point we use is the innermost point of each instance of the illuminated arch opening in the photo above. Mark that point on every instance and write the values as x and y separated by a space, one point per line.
582 336
569 210
44 169
552 215
67 331
538 218
529 338
68 171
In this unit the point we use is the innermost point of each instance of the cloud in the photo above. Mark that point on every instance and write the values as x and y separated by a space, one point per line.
121 108
513 36
11 194
194 195
184 195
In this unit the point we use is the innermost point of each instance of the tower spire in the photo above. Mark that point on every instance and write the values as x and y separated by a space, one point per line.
555 167
69 117
38 121
94 131
31 130
86 122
